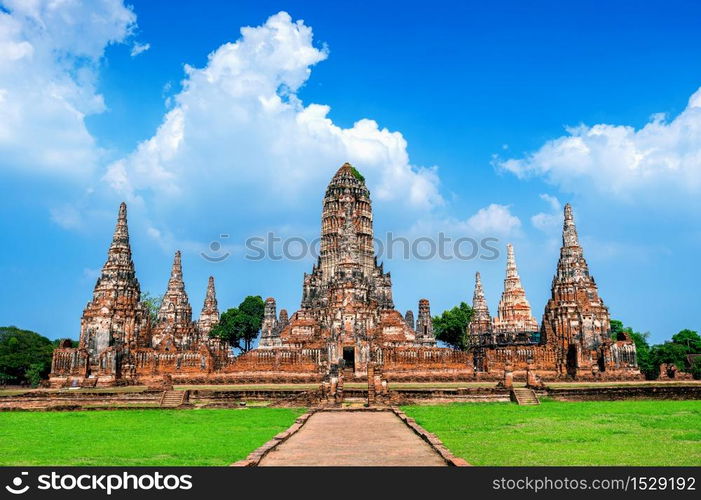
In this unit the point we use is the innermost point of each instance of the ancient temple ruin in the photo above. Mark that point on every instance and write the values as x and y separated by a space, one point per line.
347 315
574 339
346 324
347 320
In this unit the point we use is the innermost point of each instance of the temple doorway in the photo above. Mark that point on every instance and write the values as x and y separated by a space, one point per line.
349 358
572 360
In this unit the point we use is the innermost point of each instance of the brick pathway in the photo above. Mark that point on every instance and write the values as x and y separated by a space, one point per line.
353 438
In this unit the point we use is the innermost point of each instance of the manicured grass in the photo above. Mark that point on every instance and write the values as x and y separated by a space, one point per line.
643 433
138 437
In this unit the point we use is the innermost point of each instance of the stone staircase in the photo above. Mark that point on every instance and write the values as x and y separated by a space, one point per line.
172 399
524 396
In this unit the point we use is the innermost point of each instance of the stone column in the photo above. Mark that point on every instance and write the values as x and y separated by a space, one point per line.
508 376
531 379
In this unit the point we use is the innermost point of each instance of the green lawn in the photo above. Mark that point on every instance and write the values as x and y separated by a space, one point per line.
562 433
138 437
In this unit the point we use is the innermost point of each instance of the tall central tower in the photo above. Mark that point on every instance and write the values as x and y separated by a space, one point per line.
347 303
346 197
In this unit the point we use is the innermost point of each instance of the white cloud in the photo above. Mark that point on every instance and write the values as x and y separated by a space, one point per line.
139 48
548 221
49 55
238 127
67 216
494 219
620 161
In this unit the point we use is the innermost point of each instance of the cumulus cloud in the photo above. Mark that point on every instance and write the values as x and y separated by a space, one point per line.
139 48
494 220
239 127
620 161
548 221
49 56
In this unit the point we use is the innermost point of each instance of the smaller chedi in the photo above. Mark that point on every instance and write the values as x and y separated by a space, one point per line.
514 320
118 339
574 339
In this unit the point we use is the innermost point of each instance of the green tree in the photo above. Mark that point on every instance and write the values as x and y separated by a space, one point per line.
451 326
240 325
617 328
696 368
25 356
669 353
153 304
690 339
644 357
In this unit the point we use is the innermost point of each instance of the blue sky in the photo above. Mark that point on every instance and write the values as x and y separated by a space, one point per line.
469 118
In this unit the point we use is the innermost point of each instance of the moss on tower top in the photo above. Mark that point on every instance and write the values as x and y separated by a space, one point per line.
357 174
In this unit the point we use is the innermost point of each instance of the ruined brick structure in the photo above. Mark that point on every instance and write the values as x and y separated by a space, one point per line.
347 320
574 339
209 316
481 327
347 324
174 327
514 320
576 322
118 341
347 315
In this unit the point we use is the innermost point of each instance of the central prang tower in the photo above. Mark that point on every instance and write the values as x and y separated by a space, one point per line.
346 204
347 307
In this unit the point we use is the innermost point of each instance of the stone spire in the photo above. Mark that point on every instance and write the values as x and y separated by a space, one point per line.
575 317
514 314
424 324
346 193
481 322
270 331
409 318
115 316
284 318
119 267
569 231
479 303
175 313
209 316
511 269
120 239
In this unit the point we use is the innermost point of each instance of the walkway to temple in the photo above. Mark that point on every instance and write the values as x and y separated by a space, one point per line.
353 438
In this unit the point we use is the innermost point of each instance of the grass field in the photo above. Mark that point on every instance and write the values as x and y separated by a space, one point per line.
138 437
561 433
